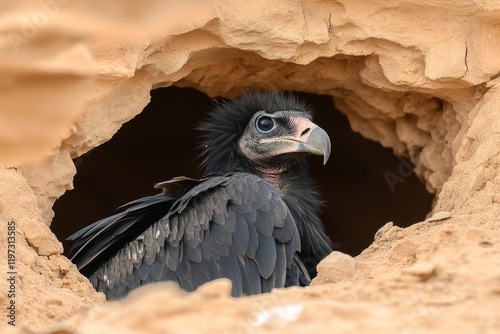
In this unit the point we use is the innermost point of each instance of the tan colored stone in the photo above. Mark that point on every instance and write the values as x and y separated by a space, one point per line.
334 268
417 76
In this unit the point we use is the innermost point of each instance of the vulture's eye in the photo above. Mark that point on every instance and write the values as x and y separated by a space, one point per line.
264 124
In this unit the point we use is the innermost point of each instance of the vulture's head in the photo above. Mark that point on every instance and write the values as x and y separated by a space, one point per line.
263 133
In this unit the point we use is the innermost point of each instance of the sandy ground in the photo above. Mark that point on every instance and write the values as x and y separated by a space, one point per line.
72 75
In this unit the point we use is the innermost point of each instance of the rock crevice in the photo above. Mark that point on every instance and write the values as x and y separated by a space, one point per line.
418 77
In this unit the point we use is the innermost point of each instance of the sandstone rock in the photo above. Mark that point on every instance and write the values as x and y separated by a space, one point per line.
334 268
420 77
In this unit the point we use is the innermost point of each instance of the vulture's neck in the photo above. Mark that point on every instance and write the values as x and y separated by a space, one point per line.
274 177
301 197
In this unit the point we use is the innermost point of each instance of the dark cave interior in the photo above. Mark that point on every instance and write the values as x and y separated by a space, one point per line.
161 143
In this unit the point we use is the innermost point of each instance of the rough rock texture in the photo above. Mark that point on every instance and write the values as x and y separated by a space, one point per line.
418 76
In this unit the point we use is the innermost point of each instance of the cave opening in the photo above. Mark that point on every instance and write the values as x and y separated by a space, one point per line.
363 184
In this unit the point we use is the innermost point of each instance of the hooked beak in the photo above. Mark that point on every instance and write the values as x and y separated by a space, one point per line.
317 143
308 138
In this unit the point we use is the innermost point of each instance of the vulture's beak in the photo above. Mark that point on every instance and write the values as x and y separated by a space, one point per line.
316 142
307 138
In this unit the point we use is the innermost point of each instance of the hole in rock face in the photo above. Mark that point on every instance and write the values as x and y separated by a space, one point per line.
362 183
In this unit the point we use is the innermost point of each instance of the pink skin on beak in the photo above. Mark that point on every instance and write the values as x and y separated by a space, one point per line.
303 128
308 138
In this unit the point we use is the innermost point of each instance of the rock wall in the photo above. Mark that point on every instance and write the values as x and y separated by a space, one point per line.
417 76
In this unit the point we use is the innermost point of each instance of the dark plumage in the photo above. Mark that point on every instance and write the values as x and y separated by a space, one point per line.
252 218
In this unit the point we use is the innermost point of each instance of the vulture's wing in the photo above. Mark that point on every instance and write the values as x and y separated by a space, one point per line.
234 226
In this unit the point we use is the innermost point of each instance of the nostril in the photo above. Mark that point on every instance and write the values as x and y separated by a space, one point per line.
305 132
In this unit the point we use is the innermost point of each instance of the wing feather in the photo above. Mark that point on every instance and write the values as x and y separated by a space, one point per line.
265 258
234 226
251 280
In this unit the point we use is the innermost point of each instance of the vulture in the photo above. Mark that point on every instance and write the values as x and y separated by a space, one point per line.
251 218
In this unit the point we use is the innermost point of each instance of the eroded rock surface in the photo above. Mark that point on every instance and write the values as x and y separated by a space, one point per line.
417 76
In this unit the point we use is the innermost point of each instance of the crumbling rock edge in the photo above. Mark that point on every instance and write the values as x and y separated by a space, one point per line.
432 98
